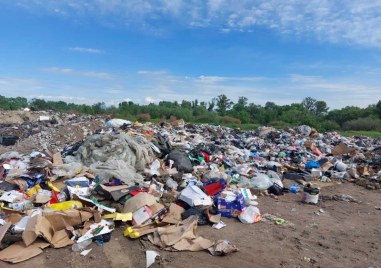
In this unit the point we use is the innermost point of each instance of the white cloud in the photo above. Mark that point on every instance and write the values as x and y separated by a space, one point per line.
19 86
151 72
69 71
356 22
150 99
86 50
155 86
62 98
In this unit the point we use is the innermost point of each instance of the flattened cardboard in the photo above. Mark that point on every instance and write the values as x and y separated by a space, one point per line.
36 226
40 226
18 252
138 201
57 160
60 239
96 213
59 220
342 148
14 218
174 215
42 199
180 237
155 208
13 173
116 192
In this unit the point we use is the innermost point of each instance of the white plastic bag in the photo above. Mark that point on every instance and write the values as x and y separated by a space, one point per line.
250 215
261 181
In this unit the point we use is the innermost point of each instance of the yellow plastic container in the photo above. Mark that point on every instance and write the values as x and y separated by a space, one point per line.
66 205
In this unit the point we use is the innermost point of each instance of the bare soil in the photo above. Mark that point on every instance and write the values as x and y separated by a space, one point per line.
344 235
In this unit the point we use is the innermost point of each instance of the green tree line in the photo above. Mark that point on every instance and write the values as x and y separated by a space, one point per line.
222 110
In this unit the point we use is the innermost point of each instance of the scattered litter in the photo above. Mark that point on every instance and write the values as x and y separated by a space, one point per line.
151 257
161 181
85 252
219 225
341 197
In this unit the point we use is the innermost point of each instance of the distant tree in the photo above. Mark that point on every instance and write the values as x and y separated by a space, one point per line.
309 103
378 108
345 114
186 104
38 104
223 104
211 105
320 108
194 103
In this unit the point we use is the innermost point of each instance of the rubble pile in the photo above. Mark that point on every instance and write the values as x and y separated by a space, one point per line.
162 181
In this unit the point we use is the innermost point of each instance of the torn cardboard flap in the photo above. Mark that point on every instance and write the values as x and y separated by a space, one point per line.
40 226
14 218
42 197
341 149
57 160
138 201
37 226
180 237
59 220
174 215
13 173
116 192
156 208
18 252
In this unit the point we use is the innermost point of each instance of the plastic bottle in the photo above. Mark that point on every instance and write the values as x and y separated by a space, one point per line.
294 188
21 206
81 246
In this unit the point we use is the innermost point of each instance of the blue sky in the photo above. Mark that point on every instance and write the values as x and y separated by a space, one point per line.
151 50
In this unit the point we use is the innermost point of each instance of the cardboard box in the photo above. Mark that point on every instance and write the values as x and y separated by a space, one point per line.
141 216
194 196
40 226
174 215
138 201
115 192
59 220
230 209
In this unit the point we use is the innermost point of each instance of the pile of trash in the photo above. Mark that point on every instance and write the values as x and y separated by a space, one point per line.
162 181
25 131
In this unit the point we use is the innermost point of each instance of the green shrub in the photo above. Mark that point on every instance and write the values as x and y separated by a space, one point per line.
328 125
143 117
230 120
366 123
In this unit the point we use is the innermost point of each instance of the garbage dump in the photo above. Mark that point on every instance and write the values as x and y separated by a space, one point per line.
161 182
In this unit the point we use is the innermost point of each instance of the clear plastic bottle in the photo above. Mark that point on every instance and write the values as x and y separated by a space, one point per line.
81 246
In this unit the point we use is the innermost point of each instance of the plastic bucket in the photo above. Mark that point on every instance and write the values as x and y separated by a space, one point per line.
310 195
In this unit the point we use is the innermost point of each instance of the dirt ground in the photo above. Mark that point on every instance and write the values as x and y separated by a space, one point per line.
344 235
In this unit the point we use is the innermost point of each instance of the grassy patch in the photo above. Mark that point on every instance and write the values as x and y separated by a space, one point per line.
373 134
